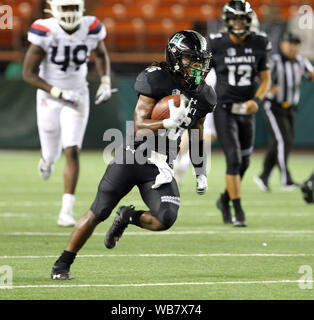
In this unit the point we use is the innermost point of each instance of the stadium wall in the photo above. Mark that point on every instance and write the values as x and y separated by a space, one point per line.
18 115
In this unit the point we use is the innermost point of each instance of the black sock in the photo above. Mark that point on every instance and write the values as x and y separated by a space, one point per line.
237 205
67 257
225 196
134 217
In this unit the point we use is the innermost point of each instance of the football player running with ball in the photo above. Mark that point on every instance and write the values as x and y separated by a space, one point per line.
239 56
56 64
187 64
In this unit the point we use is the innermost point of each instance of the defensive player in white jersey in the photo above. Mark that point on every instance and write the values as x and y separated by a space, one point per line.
56 64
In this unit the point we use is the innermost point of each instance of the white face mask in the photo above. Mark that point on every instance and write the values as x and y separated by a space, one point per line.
68 20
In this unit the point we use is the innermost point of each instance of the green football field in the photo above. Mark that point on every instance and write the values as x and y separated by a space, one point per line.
198 258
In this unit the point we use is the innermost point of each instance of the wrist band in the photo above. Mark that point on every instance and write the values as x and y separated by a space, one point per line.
105 79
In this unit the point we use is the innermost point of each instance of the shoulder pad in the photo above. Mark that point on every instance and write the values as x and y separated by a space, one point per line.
263 38
153 82
40 27
208 94
211 96
215 35
93 24
261 33
152 69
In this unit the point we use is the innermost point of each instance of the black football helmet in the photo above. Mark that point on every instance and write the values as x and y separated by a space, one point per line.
237 9
192 46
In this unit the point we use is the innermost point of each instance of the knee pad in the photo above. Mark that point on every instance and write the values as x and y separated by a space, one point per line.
167 214
233 162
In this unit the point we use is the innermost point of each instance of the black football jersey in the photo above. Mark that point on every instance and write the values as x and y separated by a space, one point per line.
157 83
238 65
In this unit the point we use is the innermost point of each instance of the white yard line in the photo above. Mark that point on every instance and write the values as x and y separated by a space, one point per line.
137 203
160 255
169 233
158 284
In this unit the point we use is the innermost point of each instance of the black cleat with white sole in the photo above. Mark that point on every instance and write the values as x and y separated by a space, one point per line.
60 271
307 189
119 224
224 207
239 219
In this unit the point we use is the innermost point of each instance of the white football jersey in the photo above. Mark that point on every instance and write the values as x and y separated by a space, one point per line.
65 63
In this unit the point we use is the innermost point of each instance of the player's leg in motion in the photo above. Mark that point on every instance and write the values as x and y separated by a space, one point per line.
71 173
271 157
115 184
228 134
73 121
163 204
282 133
287 182
48 115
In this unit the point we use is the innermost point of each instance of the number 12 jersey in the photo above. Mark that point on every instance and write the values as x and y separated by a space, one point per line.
238 65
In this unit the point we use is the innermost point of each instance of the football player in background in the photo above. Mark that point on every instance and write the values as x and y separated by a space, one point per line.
187 64
239 56
56 64
183 162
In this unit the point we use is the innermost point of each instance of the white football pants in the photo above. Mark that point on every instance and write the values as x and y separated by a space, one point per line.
60 125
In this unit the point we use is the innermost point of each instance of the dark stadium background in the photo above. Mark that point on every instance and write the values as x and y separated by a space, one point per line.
137 34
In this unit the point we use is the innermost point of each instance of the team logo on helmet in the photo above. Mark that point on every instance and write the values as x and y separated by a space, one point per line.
177 38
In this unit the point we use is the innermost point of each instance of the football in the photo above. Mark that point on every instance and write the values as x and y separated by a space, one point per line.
161 109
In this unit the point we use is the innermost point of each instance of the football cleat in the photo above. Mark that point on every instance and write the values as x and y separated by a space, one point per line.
289 187
118 226
239 219
66 219
60 271
307 189
201 184
261 183
225 210
45 169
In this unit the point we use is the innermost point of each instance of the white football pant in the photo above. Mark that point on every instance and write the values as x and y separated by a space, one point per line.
60 125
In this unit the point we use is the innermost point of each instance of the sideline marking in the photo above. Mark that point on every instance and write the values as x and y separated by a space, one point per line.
171 255
157 284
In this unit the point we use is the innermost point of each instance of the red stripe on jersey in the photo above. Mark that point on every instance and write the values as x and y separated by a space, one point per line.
40 27
94 25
